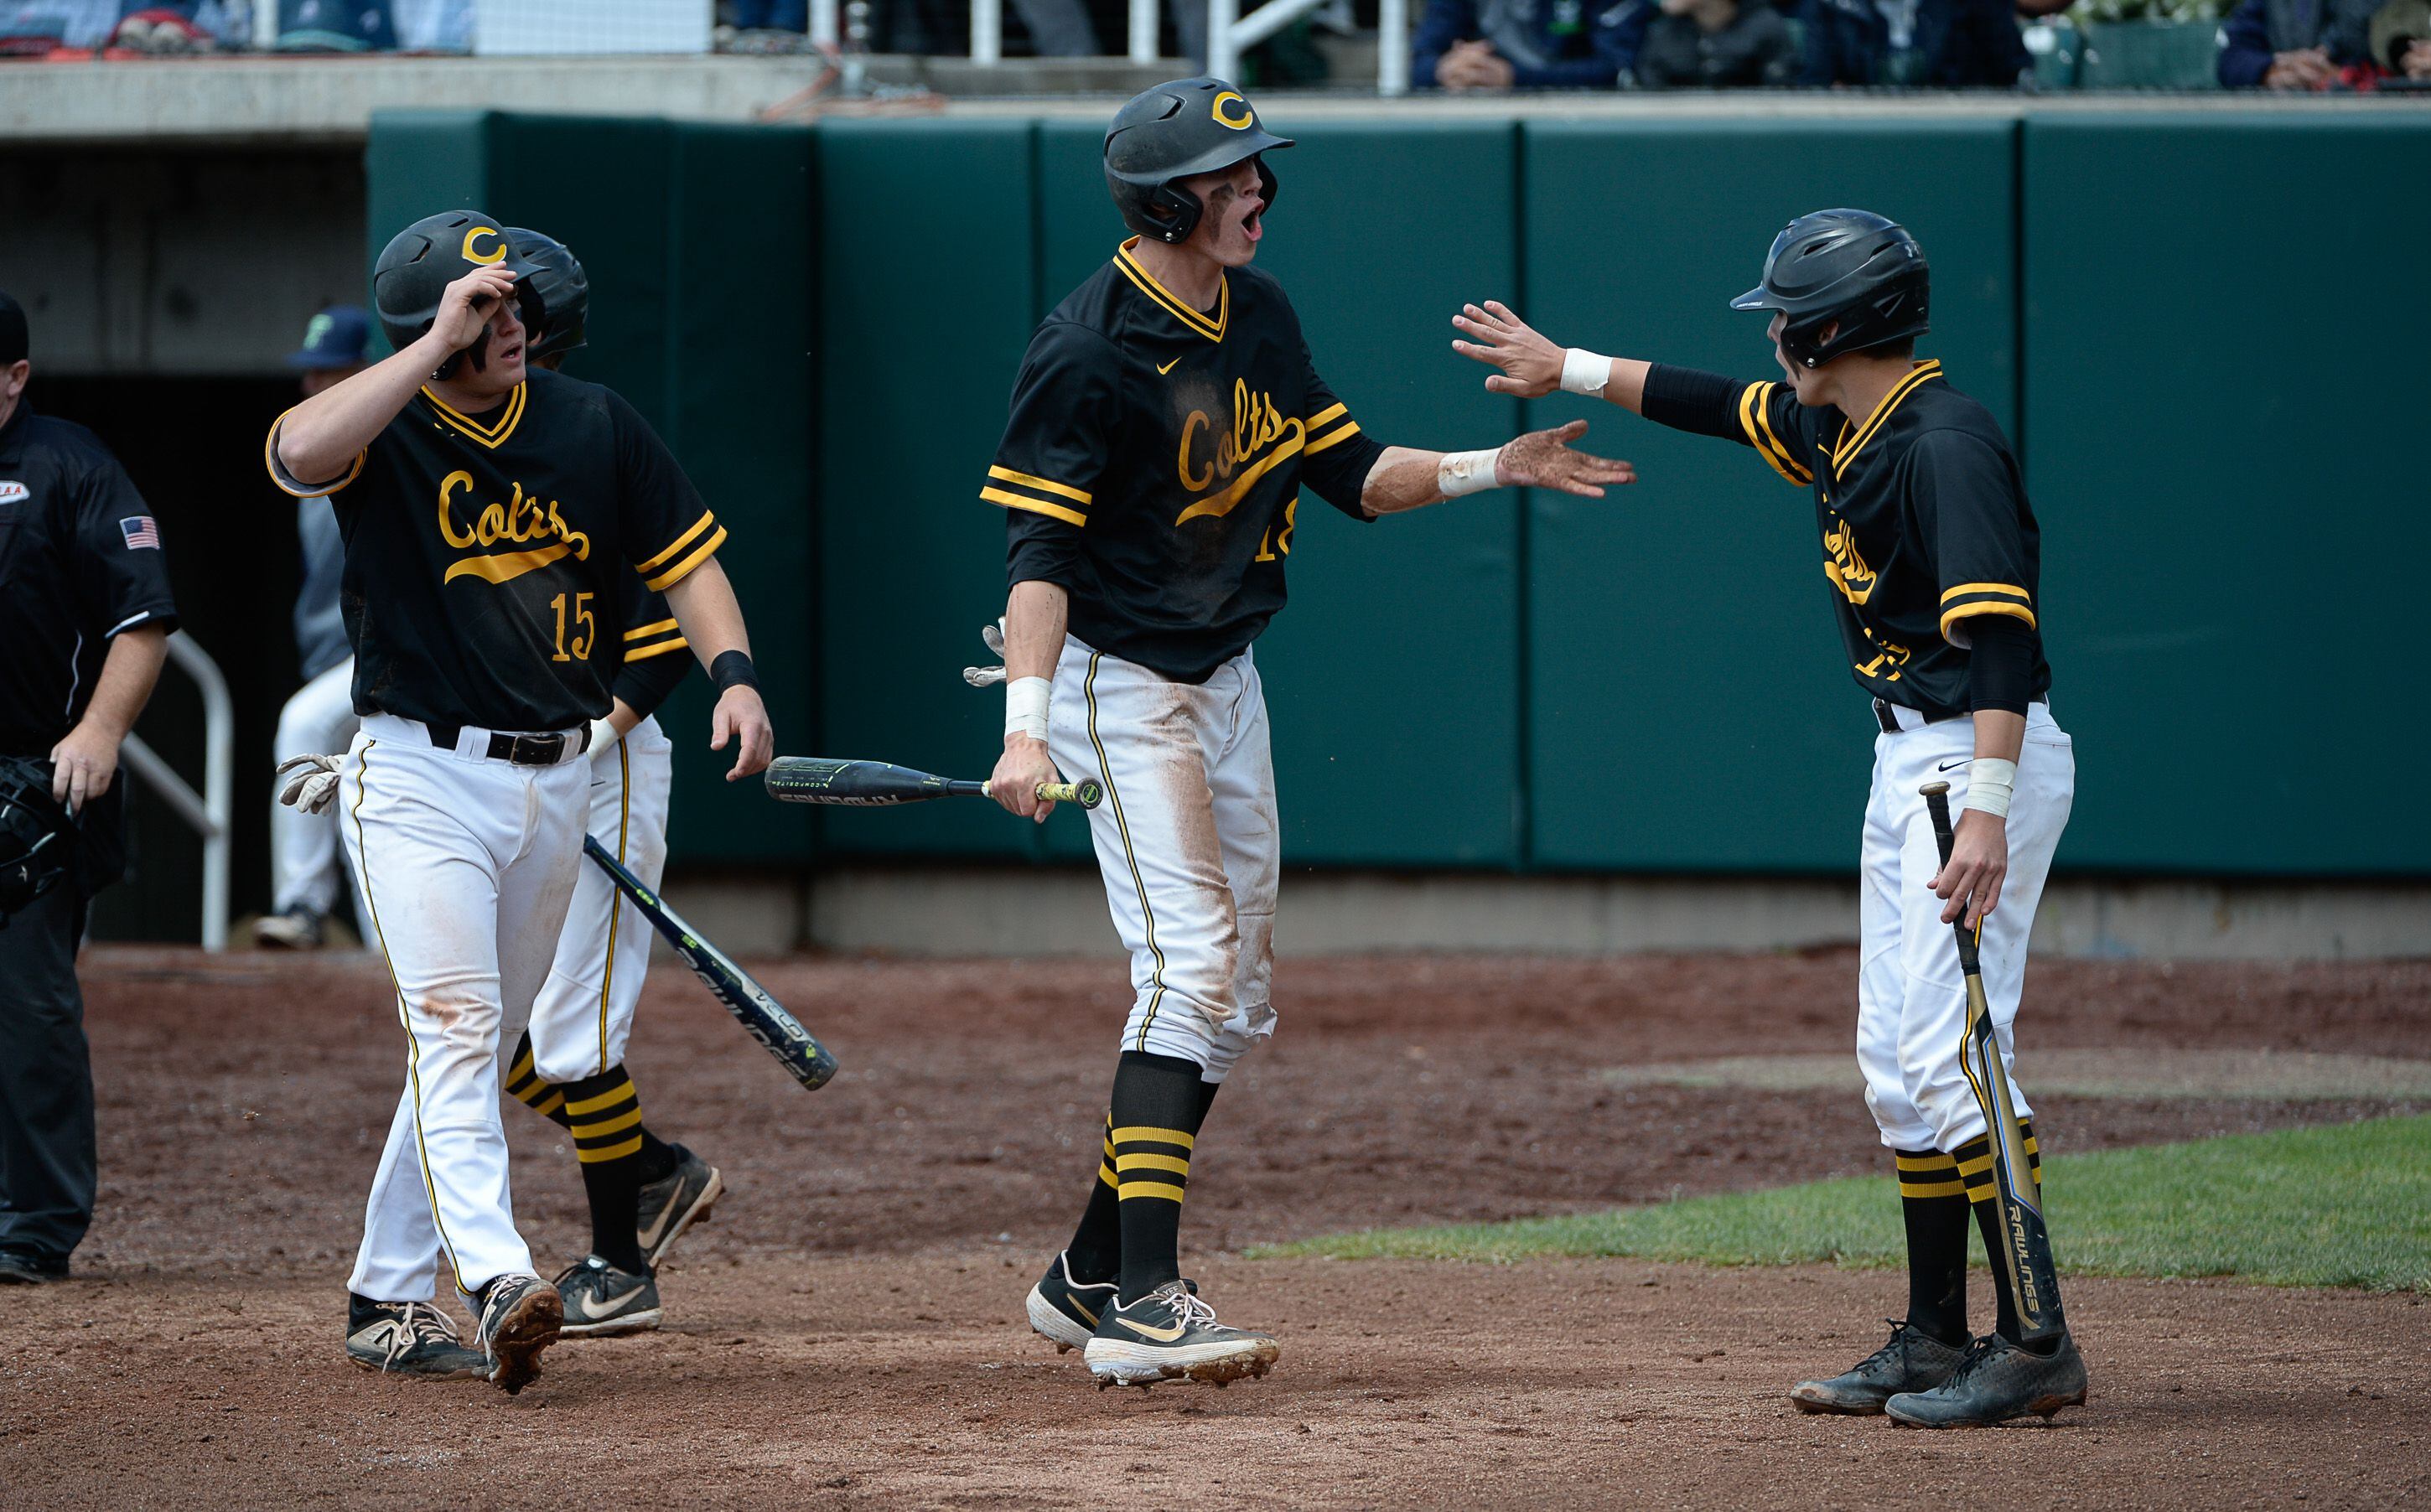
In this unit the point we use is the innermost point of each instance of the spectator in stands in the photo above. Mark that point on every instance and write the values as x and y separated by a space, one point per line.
2293 44
1716 44
1940 44
2401 41
320 715
1527 44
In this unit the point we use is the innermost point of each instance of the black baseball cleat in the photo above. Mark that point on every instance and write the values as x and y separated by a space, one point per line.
1170 1334
410 1338
1066 1311
601 1300
520 1316
675 1203
1997 1380
1912 1361
22 1268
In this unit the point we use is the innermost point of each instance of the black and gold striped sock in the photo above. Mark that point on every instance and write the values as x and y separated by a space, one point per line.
1974 1160
1096 1252
1156 1111
1932 1203
659 1158
605 1118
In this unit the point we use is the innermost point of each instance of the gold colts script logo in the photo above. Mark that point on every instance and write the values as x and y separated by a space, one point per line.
1843 565
1204 460
1232 111
520 519
496 254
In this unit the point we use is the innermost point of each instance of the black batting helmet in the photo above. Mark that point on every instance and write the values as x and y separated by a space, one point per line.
34 835
1848 266
1191 125
420 262
560 285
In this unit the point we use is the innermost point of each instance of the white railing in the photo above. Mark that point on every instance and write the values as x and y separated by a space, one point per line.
1229 33
208 814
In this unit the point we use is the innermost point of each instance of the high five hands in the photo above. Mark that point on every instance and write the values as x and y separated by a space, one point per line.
1531 365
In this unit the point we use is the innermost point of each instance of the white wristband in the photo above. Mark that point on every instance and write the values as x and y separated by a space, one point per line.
1024 707
1585 372
1990 782
1466 472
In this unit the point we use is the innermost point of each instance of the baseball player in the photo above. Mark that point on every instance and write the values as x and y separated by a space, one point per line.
1166 417
490 515
1933 560
570 1064
320 715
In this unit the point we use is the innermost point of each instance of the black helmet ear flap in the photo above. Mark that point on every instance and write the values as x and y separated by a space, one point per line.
1267 182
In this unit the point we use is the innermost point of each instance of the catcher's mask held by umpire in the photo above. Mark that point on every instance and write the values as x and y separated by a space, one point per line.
1850 271
564 290
1190 126
34 835
420 262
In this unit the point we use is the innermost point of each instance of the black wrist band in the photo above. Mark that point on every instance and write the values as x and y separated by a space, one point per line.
733 669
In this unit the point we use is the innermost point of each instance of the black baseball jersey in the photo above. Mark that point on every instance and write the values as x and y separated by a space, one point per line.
81 561
652 655
1925 525
489 557
1153 460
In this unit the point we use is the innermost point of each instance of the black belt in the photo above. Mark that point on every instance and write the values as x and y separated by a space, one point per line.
522 751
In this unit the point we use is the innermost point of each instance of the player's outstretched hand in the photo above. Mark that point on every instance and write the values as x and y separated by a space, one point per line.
465 308
740 717
1024 768
1543 459
1979 862
1531 365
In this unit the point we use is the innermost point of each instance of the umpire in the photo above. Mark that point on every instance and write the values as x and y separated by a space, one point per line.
85 617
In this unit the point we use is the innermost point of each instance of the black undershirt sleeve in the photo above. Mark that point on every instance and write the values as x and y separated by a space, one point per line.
2001 664
1687 399
1039 549
645 684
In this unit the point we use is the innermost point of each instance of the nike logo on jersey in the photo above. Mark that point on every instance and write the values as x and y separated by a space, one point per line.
1162 368
1162 1335
597 1310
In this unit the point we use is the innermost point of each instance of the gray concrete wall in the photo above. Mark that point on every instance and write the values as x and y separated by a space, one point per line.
169 262
987 911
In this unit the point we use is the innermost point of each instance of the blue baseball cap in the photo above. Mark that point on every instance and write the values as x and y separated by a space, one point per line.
336 338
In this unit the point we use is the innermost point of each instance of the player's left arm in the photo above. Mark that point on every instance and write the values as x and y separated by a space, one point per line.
1366 478
674 538
1965 495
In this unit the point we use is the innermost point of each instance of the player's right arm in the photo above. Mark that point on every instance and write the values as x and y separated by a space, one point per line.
1057 443
1759 415
319 442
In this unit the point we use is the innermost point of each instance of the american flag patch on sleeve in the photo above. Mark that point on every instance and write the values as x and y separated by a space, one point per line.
140 531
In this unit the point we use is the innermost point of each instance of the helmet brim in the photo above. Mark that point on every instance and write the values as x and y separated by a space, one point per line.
1758 298
1223 155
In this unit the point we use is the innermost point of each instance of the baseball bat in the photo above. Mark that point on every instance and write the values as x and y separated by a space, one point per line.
2034 1279
762 1017
880 784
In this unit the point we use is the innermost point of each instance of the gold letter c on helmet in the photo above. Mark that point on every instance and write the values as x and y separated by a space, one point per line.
1242 122
476 234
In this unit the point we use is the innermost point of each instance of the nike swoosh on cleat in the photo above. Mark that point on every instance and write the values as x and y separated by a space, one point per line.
1166 368
1076 1306
1162 1335
594 1311
667 1215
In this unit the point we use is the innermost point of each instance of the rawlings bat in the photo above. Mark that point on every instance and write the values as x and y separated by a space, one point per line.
2016 1196
762 1017
878 785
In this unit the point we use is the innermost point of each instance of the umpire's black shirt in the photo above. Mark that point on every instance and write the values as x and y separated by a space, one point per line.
81 561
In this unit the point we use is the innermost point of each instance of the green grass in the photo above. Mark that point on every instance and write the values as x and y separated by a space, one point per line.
2341 1205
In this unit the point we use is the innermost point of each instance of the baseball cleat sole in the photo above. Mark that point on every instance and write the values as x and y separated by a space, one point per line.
2043 1407
530 1326
608 1328
1114 1363
1048 1322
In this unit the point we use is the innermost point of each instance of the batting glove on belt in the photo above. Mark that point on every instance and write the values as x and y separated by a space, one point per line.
988 677
314 788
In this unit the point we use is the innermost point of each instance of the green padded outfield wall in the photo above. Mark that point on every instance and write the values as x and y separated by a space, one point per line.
708 334
2226 418
1689 705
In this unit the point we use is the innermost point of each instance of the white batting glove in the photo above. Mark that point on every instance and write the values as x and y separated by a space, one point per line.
988 677
603 740
314 788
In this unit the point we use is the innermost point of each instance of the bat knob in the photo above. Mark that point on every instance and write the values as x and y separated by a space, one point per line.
1934 789
1088 794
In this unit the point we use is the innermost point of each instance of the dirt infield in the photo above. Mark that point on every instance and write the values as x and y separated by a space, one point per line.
847 1331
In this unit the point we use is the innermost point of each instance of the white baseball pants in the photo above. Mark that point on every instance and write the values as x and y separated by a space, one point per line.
585 1013
319 716
1187 843
1911 996
466 866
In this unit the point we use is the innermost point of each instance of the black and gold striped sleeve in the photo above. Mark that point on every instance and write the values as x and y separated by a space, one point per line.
288 482
1058 435
667 531
655 655
1769 422
1964 491
1335 456
671 563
